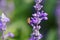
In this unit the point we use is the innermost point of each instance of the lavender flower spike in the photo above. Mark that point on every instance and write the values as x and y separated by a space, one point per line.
3 21
36 19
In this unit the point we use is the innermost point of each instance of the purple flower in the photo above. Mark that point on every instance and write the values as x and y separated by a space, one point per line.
36 27
2 26
38 6
9 35
35 33
36 14
43 15
40 36
36 37
35 20
4 18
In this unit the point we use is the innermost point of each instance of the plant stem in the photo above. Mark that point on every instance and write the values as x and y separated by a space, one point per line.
3 35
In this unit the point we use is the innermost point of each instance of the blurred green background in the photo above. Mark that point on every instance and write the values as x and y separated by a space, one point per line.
23 10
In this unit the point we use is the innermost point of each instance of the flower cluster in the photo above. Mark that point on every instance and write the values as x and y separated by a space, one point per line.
36 19
3 21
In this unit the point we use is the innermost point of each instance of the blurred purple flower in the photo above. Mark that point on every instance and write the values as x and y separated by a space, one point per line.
3 21
9 35
6 7
4 18
3 5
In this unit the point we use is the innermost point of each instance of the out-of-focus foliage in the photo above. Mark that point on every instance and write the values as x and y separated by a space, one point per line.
23 10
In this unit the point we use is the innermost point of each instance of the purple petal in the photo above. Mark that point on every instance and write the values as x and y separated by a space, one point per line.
45 18
40 36
45 14
1 24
